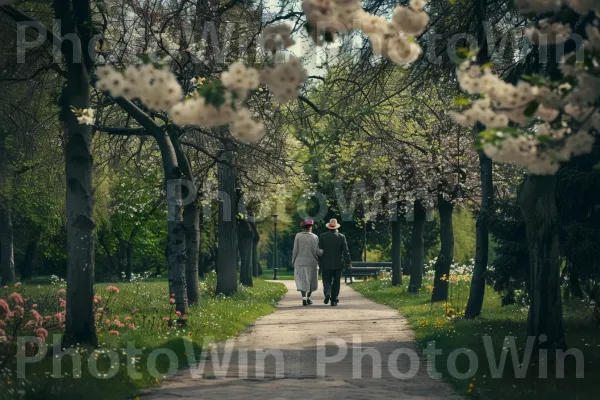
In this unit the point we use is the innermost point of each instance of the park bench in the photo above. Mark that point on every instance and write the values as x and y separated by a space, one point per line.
361 269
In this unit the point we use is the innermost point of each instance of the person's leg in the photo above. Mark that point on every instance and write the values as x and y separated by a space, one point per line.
335 286
304 301
327 284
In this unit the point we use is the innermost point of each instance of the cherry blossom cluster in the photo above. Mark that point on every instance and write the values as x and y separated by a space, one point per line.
560 119
159 90
284 79
388 38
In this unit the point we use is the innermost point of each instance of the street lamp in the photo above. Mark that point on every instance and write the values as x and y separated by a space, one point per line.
275 249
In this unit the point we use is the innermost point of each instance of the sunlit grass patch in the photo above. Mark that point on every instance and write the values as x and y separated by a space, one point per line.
431 322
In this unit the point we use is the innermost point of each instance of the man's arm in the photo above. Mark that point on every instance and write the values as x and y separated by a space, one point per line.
346 253
318 248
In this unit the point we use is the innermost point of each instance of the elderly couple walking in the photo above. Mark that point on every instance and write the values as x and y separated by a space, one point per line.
330 251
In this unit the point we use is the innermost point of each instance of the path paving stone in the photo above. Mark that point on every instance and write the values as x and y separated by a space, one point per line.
292 333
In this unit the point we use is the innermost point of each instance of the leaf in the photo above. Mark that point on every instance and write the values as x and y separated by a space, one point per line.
531 109
462 101
535 79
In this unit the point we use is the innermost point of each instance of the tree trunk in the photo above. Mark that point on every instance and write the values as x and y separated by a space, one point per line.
129 260
26 267
255 255
75 18
227 253
246 242
444 259
538 204
7 255
191 218
417 252
122 255
574 284
396 227
482 238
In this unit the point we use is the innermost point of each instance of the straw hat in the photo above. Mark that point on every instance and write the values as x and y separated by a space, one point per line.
333 224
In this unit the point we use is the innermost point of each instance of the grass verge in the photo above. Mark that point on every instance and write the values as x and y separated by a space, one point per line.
143 307
431 323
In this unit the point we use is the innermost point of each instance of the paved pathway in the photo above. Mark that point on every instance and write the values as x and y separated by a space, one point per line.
292 331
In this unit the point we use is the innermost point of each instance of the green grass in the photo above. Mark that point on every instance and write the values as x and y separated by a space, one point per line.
430 323
144 304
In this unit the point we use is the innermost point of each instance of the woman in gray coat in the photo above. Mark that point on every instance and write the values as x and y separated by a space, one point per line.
305 259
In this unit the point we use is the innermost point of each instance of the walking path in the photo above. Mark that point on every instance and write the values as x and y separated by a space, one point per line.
292 332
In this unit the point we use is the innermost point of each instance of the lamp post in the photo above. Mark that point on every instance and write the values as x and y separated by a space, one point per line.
275 260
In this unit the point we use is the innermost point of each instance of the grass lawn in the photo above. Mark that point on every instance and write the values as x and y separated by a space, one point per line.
430 323
140 308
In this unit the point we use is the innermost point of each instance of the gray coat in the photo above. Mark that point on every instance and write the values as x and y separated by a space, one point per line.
306 250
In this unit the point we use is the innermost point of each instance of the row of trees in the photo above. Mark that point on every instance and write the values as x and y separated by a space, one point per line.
363 128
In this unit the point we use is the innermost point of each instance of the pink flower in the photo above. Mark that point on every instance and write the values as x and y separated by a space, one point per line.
34 306
131 326
172 294
112 289
97 299
16 298
159 329
41 333
97 315
61 291
62 302
127 318
37 317
19 311
166 318
4 309
62 327
184 315
178 313
107 322
18 284
172 301
115 333
60 317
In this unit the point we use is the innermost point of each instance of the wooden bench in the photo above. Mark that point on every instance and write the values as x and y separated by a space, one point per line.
361 269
